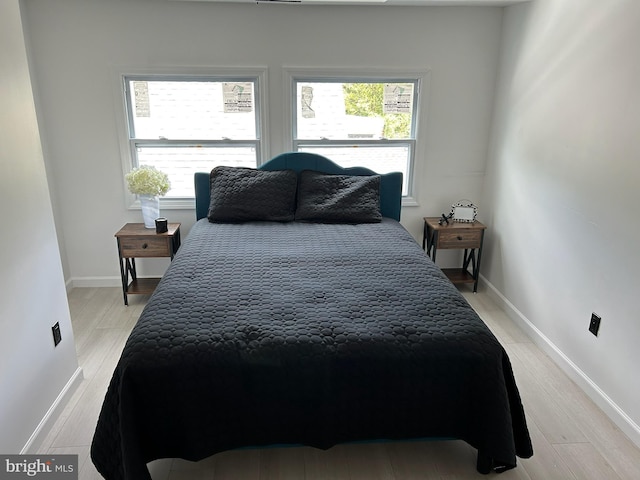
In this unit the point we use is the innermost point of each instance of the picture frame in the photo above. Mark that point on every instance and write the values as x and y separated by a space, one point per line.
464 211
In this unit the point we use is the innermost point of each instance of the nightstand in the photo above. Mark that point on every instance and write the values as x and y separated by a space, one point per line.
467 236
136 241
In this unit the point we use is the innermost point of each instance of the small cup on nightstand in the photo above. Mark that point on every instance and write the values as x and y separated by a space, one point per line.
161 225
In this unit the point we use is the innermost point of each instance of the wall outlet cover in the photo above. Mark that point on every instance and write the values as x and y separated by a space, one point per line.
57 336
594 325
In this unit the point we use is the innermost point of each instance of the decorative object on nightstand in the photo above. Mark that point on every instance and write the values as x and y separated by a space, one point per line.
136 241
162 225
150 207
464 211
452 235
149 184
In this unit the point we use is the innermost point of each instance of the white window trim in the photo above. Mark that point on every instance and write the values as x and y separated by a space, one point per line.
264 153
422 77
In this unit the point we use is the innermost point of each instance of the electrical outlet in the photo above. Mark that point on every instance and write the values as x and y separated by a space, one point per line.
594 325
57 336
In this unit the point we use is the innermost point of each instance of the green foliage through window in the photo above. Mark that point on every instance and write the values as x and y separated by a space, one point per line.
367 100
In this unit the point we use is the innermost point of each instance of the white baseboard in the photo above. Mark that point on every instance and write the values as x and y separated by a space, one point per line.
43 428
93 282
595 393
79 282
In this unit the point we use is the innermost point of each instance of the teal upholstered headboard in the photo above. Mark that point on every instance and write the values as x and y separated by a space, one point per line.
390 183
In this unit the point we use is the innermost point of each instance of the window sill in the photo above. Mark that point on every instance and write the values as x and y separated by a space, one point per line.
169 204
409 202
189 203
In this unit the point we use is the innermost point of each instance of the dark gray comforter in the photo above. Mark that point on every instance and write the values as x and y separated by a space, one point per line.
296 333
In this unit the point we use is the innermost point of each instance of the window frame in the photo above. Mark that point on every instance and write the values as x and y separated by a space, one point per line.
418 78
128 143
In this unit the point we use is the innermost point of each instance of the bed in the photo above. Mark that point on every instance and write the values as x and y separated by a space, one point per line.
321 325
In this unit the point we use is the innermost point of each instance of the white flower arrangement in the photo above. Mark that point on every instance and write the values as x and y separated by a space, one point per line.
147 180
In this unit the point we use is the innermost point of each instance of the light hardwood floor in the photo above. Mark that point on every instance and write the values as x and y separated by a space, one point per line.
572 438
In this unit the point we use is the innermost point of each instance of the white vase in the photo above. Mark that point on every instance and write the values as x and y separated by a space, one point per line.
150 205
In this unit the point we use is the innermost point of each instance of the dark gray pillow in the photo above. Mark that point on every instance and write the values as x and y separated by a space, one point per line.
326 198
242 194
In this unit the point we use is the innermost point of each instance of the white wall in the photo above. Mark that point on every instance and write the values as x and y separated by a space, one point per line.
562 188
32 292
79 45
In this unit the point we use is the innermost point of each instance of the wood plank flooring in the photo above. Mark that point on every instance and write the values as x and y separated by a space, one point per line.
573 439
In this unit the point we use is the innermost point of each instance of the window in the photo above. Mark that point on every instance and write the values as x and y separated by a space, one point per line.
185 124
359 122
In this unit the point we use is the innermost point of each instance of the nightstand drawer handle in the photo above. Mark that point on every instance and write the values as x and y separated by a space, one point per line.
144 245
459 237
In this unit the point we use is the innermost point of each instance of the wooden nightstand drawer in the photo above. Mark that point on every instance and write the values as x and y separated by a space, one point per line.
460 239
145 246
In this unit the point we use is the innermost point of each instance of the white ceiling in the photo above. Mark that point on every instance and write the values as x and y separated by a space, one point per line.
498 3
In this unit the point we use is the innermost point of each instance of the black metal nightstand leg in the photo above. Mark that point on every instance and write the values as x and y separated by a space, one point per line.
124 279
